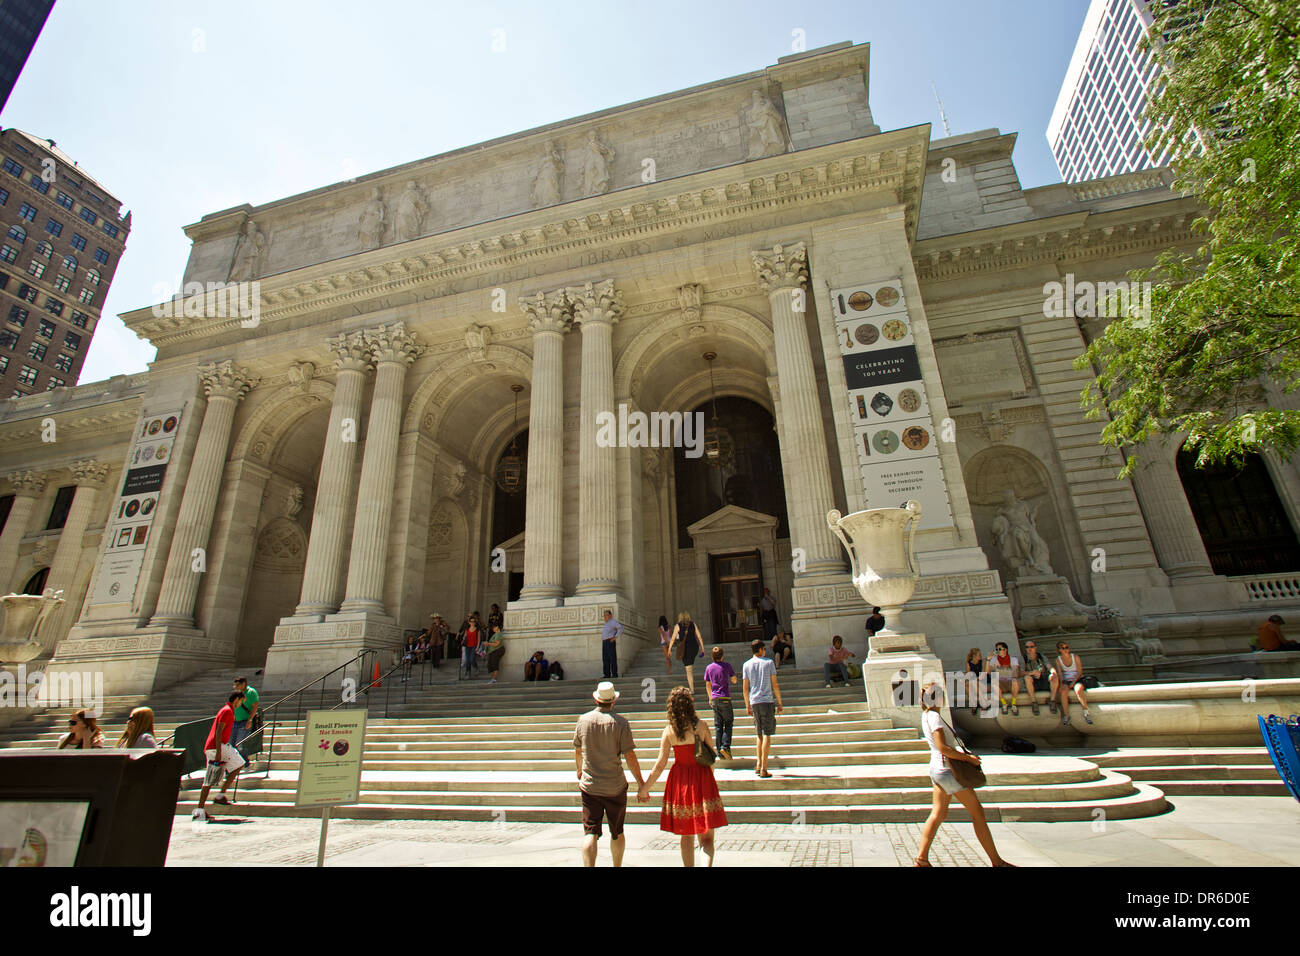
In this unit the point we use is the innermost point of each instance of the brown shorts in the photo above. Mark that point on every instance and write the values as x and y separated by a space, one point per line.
595 807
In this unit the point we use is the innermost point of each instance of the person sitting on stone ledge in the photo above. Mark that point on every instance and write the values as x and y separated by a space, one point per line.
1008 671
1269 636
83 733
875 623
536 667
1067 673
974 668
1037 674
836 661
783 649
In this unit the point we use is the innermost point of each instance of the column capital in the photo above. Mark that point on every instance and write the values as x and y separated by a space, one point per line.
548 311
89 473
350 352
393 344
782 267
28 484
596 302
226 380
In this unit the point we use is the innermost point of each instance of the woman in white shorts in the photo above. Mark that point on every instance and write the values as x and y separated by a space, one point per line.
943 749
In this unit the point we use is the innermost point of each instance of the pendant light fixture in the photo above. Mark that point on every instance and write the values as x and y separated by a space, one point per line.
719 447
510 469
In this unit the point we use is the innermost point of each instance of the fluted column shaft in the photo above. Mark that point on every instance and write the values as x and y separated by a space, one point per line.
597 308
89 476
549 318
393 350
27 488
1168 515
329 523
783 271
225 385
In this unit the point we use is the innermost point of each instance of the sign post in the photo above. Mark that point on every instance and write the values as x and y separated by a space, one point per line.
330 772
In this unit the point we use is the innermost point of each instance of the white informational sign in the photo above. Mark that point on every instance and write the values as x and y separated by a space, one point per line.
332 749
131 522
894 434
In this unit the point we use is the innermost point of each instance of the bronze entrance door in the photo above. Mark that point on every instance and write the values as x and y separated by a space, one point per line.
736 583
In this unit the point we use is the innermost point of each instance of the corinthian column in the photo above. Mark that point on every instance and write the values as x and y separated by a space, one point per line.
28 486
549 316
783 272
329 523
89 476
1169 518
597 307
392 350
225 385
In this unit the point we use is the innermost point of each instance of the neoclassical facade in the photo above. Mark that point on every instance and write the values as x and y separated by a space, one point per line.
862 312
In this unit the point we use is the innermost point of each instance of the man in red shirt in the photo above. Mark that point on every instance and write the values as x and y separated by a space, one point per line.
223 759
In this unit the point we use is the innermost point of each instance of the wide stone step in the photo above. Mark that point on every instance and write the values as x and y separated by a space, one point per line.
1222 788
1177 757
1202 773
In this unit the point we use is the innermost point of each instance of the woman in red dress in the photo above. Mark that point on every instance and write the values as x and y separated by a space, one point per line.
692 804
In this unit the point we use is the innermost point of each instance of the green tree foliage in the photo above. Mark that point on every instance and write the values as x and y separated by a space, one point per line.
1227 316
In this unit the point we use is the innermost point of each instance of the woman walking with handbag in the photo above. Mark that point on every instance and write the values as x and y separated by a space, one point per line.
954 772
687 635
692 804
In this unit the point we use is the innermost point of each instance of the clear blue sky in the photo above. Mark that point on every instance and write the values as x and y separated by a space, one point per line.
183 108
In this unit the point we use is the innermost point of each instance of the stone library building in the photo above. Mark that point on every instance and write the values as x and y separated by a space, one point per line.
392 397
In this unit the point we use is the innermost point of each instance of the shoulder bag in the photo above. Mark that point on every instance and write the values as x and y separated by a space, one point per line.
704 755
969 775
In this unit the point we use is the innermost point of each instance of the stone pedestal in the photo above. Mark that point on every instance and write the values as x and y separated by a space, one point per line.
304 651
898 667
1043 602
571 635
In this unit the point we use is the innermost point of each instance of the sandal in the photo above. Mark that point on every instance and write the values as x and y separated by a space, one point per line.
1015 710
1087 715
1034 705
223 801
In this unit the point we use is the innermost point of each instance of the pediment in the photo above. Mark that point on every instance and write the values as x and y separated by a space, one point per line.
732 518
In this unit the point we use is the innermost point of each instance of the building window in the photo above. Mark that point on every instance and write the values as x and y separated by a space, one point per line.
86 296
37 351
27 376
27 211
70 265
61 283
4 364
18 315
63 362
4 280
62 505
8 253
27 292
36 269
18 234
78 242
8 338
110 230
92 277
87 215
72 340
4 196
44 248
54 227
46 331
101 257
53 306
55 383
65 200
79 319
40 185
12 168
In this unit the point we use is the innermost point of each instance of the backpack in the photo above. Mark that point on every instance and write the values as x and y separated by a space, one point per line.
1017 745
556 671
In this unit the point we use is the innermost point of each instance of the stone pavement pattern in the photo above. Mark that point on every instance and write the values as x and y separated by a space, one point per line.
1198 832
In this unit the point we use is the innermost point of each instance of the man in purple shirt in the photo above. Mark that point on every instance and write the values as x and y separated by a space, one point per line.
719 676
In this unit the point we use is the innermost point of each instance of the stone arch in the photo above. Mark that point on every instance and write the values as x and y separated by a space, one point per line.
695 390
722 321
495 434
275 416
429 404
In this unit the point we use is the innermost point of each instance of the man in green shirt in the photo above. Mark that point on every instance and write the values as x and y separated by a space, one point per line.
244 713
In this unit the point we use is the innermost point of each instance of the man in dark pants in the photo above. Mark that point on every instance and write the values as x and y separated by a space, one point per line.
609 636
601 741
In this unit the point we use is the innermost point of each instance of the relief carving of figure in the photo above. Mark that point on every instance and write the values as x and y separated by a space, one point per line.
595 166
1015 531
766 136
293 501
547 183
248 254
370 230
411 207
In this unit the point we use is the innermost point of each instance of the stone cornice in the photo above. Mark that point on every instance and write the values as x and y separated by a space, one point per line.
888 162
1071 238
73 423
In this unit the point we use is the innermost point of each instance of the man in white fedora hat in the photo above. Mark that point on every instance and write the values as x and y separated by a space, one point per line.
600 741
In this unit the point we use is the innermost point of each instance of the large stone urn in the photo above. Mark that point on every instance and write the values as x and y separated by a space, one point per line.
880 544
24 614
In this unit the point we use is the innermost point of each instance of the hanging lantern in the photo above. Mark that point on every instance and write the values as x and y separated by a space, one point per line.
719 446
510 469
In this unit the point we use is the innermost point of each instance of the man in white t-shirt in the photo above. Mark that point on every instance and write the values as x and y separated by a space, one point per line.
762 701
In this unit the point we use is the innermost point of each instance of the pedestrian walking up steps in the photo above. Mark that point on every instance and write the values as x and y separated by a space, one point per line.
467 750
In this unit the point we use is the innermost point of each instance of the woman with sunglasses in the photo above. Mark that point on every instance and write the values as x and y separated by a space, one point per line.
83 733
1067 673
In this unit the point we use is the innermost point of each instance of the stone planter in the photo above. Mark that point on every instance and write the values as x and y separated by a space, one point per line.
879 542
20 630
